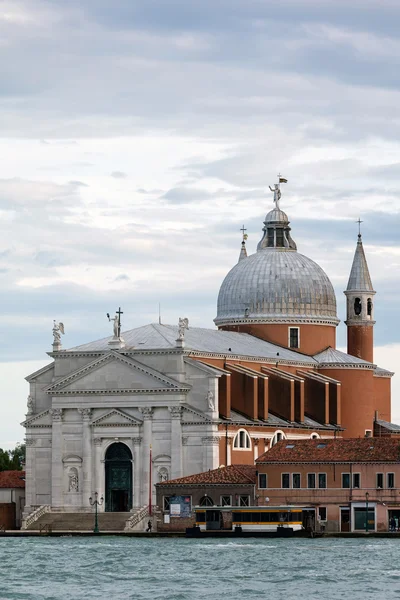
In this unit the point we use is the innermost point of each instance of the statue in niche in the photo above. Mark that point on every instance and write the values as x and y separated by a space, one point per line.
210 400
30 403
73 483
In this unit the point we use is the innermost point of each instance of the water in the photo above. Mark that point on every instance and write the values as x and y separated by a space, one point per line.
178 569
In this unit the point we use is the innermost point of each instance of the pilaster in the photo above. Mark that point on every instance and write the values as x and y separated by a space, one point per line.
86 414
137 466
176 441
210 452
147 413
56 457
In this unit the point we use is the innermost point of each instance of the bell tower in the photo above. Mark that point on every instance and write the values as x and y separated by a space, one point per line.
360 307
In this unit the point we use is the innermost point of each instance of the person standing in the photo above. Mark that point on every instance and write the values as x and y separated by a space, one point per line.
149 526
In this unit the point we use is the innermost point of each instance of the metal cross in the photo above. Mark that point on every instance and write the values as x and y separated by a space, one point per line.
243 229
359 225
119 313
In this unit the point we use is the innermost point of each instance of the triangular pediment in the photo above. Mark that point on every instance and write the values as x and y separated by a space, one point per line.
116 418
115 373
192 415
42 419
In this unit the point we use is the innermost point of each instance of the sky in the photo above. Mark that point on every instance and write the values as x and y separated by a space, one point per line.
138 137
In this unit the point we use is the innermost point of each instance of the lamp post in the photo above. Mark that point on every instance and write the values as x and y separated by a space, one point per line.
366 508
96 503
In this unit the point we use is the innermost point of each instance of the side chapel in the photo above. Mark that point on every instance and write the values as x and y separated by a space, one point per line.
117 415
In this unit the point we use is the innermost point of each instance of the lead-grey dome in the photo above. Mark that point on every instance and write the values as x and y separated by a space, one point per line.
276 284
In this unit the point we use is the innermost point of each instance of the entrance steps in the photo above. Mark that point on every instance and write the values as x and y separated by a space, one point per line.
68 521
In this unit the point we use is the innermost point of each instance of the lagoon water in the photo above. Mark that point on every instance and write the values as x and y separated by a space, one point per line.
116 568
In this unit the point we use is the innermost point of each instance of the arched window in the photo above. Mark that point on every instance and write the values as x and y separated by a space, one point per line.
242 440
357 306
369 307
315 436
206 501
277 437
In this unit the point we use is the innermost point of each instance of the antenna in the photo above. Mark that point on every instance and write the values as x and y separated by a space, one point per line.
159 314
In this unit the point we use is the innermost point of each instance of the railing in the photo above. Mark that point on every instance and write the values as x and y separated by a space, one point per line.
35 515
138 516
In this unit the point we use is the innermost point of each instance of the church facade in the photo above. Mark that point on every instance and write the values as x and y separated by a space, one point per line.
158 402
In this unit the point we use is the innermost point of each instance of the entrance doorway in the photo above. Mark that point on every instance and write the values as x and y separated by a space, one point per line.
344 518
118 461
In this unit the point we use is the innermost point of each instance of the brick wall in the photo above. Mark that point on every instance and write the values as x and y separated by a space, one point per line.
176 524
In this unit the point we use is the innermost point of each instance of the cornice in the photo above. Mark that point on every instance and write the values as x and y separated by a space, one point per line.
134 352
368 367
265 320
123 392
256 359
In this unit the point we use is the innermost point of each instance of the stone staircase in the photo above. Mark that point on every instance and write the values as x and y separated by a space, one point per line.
66 521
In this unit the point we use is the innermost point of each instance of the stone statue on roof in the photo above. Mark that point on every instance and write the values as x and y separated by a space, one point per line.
277 193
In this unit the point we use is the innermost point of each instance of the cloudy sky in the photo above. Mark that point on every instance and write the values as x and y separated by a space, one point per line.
138 137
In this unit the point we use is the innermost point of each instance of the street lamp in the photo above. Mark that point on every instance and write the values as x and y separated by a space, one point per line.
366 506
96 503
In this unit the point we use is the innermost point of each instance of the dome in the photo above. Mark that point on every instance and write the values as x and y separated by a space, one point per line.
276 284
276 215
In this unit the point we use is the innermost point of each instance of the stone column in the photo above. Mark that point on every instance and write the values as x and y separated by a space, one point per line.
137 465
86 455
176 441
147 413
256 441
57 491
210 452
30 474
98 468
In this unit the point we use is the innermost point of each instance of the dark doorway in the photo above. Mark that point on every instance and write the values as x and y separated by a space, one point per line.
345 519
118 478
309 519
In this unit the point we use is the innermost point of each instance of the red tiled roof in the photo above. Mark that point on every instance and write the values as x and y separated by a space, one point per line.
348 450
12 479
234 474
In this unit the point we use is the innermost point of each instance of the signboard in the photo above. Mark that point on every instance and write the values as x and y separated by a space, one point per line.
180 506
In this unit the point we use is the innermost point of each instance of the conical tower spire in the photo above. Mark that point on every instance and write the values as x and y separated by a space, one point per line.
360 307
360 279
243 251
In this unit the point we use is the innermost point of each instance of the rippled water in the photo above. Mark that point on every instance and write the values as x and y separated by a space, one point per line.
179 569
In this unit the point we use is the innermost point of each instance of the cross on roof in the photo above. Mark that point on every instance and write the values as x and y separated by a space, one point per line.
359 225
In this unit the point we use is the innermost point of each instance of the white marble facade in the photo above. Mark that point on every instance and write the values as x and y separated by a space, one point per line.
84 402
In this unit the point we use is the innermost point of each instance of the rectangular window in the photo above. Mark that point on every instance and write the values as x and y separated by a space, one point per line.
322 480
226 500
311 480
262 481
322 513
285 480
379 481
296 480
356 480
345 480
390 480
368 433
244 500
294 337
166 503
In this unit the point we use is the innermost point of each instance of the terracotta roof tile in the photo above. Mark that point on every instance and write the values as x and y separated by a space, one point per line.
320 450
12 479
234 474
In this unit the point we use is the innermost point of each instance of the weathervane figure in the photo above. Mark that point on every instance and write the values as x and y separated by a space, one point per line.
277 190
116 322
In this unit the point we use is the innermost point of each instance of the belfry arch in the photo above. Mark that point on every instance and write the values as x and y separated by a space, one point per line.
118 471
